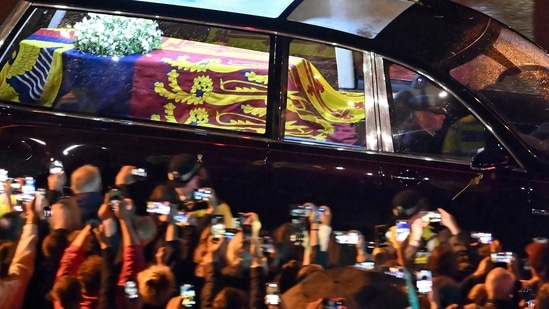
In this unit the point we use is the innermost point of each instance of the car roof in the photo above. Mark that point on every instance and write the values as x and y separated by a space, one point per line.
364 18
424 34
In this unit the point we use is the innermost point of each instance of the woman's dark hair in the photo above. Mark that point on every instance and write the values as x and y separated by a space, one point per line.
231 299
89 273
444 262
162 193
67 291
449 292
288 275
12 224
7 250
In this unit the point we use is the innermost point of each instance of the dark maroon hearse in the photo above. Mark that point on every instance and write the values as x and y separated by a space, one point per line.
289 101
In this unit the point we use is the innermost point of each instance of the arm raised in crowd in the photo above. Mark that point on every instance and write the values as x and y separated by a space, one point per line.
12 291
7 195
213 280
55 187
408 248
133 260
319 233
74 255
108 280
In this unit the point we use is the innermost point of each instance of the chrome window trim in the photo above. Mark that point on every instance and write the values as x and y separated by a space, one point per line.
370 105
385 134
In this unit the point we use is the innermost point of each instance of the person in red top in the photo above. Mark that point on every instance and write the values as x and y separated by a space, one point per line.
70 264
133 258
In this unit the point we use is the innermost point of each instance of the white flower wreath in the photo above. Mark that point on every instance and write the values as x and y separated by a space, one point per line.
107 35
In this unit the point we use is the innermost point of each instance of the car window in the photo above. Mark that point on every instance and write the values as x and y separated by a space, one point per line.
510 73
197 75
325 97
427 120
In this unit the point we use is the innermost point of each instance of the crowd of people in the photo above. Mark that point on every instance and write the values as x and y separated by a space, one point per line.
182 247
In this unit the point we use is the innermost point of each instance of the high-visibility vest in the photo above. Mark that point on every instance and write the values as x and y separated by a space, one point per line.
429 241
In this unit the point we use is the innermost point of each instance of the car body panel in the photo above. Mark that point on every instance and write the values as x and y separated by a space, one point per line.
268 171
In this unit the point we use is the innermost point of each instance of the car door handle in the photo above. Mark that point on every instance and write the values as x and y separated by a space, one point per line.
408 177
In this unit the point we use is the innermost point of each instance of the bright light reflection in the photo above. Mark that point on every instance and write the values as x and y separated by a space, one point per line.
369 174
340 168
443 94
38 141
115 58
70 148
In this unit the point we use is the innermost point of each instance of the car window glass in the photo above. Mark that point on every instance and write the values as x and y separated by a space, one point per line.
325 98
198 76
427 120
512 75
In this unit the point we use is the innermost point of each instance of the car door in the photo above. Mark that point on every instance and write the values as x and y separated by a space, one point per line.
433 138
324 155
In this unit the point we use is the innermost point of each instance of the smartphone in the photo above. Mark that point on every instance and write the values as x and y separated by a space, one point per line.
267 244
272 294
188 295
332 303
368 265
346 238
139 173
47 211
218 226
247 230
320 212
130 289
237 223
19 204
229 233
115 198
15 184
381 235
501 257
430 216
424 281
3 178
395 271
28 189
201 195
56 167
482 237
300 211
402 230
181 218
159 208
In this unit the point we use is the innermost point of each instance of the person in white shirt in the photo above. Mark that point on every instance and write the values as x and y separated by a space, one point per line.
13 287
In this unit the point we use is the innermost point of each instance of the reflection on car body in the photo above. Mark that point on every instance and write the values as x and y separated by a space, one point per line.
289 104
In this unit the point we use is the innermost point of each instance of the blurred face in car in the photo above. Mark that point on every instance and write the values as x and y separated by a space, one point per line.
430 121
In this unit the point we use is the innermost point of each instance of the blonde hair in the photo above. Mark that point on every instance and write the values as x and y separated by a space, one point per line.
156 284
86 178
